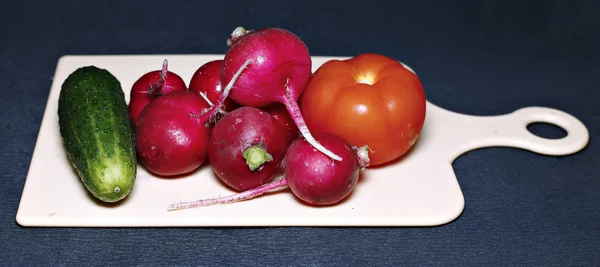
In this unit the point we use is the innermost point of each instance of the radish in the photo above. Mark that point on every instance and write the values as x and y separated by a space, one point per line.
151 85
246 147
316 179
207 80
209 115
170 140
172 130
280 69
278 111
312 176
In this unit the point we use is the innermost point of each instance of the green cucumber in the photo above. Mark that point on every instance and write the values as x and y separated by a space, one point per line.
97 133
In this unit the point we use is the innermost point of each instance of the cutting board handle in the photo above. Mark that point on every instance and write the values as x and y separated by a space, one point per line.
469 132
577 134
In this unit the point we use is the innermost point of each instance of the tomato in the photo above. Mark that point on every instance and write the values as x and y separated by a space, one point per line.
369 99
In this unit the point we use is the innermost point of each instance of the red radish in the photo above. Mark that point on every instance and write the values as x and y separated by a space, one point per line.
278 111
246 147
316 179
170 139
151 85
207 80
312 176
209 115
280 69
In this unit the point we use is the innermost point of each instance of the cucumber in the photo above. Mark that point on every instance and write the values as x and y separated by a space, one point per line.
97 134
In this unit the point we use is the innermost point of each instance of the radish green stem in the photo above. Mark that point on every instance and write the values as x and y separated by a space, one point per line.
248 194
363 156
217 105
256 156
294 111
237 34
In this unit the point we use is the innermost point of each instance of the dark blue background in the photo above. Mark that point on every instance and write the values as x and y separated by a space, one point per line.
476 57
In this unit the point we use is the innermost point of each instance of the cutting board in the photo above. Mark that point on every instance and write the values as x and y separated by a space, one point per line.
420 189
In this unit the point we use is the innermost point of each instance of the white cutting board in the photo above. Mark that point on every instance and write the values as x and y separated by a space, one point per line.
419 190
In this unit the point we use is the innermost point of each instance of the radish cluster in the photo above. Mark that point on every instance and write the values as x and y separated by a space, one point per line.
240 115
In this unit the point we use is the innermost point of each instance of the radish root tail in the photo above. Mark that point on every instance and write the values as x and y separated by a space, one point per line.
158 85
219 103
246 195
294 111
163 72
203 95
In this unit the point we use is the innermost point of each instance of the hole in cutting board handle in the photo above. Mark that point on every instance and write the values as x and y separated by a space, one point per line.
547 130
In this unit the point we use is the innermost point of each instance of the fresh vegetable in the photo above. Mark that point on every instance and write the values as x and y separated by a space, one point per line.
246 148
312 176
170 140
278 111
368 100
151 85
280 68
211 115
207 80
172 131
318 180
97 133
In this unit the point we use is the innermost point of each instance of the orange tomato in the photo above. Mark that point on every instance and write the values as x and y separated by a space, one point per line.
369 99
